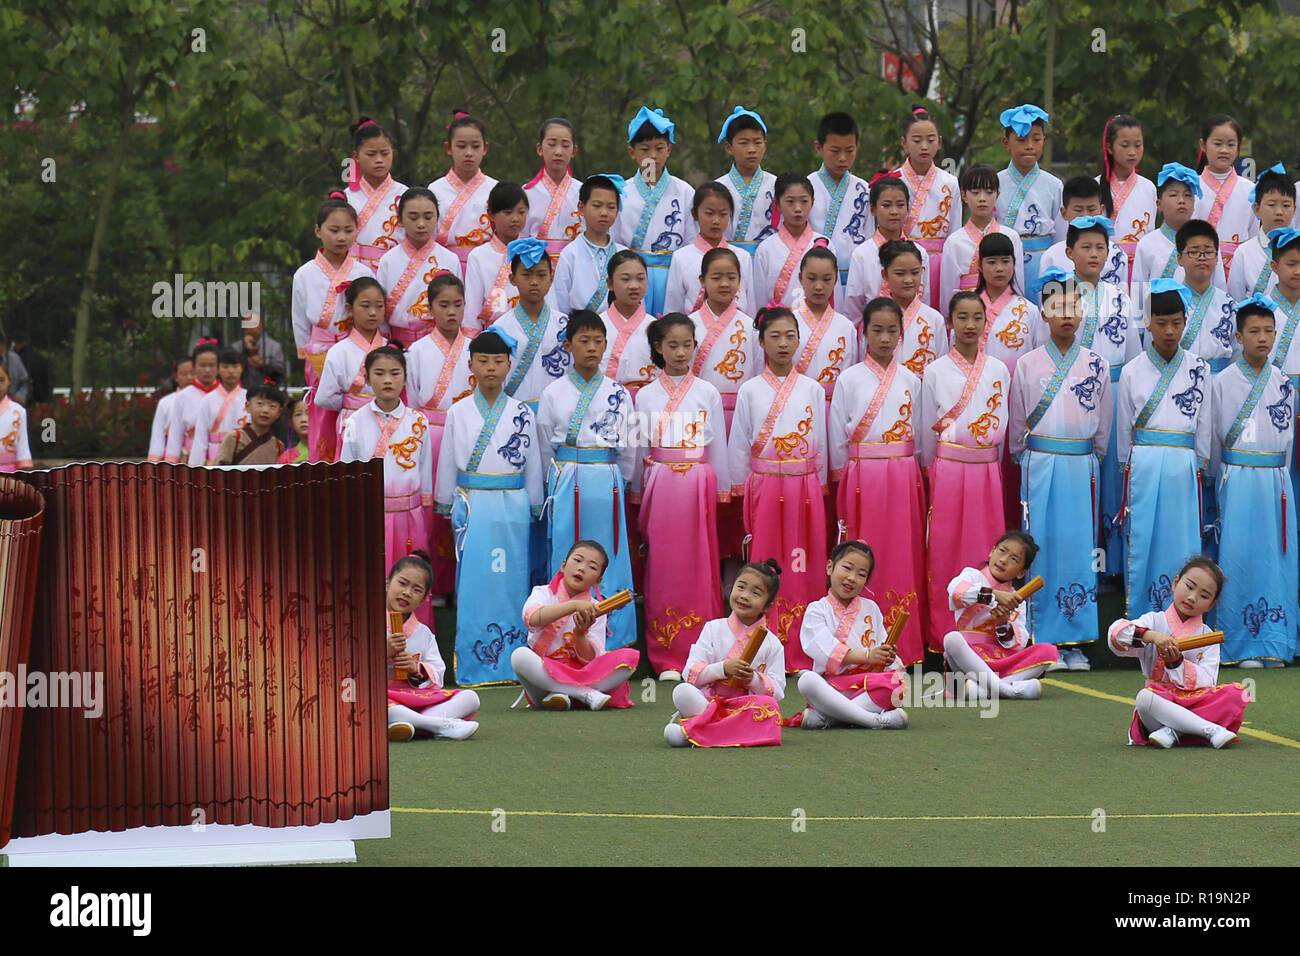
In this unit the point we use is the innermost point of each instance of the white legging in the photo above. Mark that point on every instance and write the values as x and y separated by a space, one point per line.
966 659
1156 712
531 671
431 718
860 711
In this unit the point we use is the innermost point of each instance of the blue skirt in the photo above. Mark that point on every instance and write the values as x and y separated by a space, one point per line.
1058 492
1257 611
1112 499
490 529
1164 523
656 282
588 501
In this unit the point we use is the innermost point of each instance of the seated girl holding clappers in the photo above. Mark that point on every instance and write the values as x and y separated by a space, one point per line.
726 701
1181 699
856 677
565 660
989 646
417 701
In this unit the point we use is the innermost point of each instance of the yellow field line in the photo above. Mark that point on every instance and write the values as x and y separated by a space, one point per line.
581 814
1244 731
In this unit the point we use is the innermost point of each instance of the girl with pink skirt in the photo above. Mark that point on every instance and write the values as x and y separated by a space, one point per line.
677 481
1182 702
776 455
726 701
878 483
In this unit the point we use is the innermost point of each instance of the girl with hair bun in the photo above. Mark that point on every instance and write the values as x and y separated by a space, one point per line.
373 192
462 194
935 210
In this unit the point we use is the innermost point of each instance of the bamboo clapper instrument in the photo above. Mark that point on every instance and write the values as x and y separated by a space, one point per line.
1031 587
613 602
395 627
750 652
1199 640
895 631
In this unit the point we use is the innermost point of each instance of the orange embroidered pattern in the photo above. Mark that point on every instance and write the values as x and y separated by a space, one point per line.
476 237
1012 335
934 228
787 443
831 372
1139 226
901 430
404 451
673 625
980 427
729 367
897 604
923 355
867 642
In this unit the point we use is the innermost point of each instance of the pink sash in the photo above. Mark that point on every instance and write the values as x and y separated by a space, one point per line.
973 374
704 247
374 196
819 327
545 642
783 389
676 392
922 356
1119 194
796 247
359 383
332 279
920 187
715 325
416 258
973 232
463 194
450 356
1012 337
1221 190
886 376
558 191
499 283
625 329
386 430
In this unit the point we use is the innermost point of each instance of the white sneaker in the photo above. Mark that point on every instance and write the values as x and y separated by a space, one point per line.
895 719
1061 663
1251 664
672 677
1221 737
1076 660
556 702
675 736
1030 689
812 720
595 700
1275 663
450 728
401 732
1164 737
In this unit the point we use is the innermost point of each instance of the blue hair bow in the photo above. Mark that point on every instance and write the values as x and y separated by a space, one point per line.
1280 238
618 181
738 112
528 249
1020 119
511 342
1263 301
1275 168
1087 222
1169 285
1182 174
655 118
1047 275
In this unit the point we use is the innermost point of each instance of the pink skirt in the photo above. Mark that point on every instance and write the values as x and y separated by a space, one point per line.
1224 705
441 554
885 688
404 532
881 503
682 590
322 424
595 671
418 698
965 519
787 518
1007 662
733 719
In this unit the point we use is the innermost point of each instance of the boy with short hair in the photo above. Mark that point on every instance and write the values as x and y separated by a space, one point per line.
1252 265
1080 197
1212 318
839 211
744 135
960 269
581 276
1177 189
1028 197
253 443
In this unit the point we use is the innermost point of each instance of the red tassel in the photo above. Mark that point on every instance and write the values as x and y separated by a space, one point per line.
616 513
577 508
1284 520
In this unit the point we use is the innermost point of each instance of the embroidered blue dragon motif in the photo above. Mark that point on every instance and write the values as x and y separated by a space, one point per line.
1160 594
1117 262
1070 601
1113 327
1279 413
1031 223
768 230
1086 390
859 217
512 450
606 426
556 362
1189 400
1226 327
491 652
668 239
1254 616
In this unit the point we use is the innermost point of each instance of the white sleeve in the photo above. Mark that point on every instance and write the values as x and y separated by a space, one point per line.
158 433
534 476
837 425
949 273
819 431
738 442
546 417
301 321
202 425
563 283
817 636
445 484
855 287
928 414
475 293
1204 419
329 393
424 462
717 453
1125 413
675 293
350 448
23 447
1018 250
175 431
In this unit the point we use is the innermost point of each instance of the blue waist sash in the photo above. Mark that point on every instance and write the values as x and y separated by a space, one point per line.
485 482
750 246
1157 436
1254 459
1037 243
655 260
1059 446
586 456
1115 371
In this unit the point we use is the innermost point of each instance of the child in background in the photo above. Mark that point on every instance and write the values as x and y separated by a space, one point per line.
652 221
489 487
961 428
1082 198
1059 420
373 193
935 211
253 443
488 290
680 477
1028 197
185 410
1127 193
1254 437
777 460
1211 318
924 336
221 411
582 432
539 329
1225 197
856 679
752 188
840 199
871 436
713 210
553 193
581 278
565 661
438 376
830 341
627 352
1012 320
1286 298
319 313
1177 189
344 387
1274 206
777 260
1181 703
182 375
405 270
728 353
990 647
419 703
889 205
296 453
1164 426
15 452
462 193
960 268
725 702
